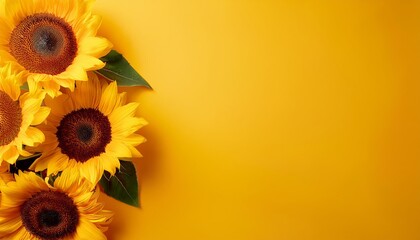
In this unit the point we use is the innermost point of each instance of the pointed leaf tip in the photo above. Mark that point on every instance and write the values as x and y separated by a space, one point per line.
123 186
118 69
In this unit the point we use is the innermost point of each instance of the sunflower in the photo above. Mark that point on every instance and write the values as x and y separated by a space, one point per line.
52 41
18 115
33 209
88 130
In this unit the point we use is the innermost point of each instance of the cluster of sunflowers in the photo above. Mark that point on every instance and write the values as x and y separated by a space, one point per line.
66 132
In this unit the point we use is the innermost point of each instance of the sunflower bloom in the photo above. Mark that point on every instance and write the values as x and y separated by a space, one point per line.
88 130
33 209
18 116
52 41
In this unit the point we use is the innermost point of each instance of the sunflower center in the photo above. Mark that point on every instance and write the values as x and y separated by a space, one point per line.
47 41
43 43
10 119
50 218
50 215
83 134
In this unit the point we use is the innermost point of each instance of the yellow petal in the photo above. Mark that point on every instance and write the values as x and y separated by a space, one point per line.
75 72
109 99
51 87
41 115
34 135
118 149
60 105
92 170
134 139
88 63
10 82
87 230
11 155
83 197
111 163
126 127
87 94
10 225
41 163
95 46
17 10
67 83
57 164
5 30
72 13
134 152
31 105
123 112
86 26
67 179
22 233
6 56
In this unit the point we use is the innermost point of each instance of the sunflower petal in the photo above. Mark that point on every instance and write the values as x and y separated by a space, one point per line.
87 230
75 72
89 63
88 94
41 115
92 170
111 163
9 225
95 46
109 99
23 234
123 112
52 88
33 135
11 155
59 163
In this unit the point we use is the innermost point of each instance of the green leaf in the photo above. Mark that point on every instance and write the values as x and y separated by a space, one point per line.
118 69
25 86
123 185
53 177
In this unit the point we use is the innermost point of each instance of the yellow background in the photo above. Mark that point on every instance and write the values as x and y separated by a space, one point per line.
273 119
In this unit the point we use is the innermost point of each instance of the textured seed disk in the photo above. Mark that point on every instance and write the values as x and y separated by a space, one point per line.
43 43
84 134
10 119
50 215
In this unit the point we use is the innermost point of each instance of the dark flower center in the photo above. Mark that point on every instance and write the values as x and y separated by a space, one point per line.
43 43
49 218
83 134
50 215
10 119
